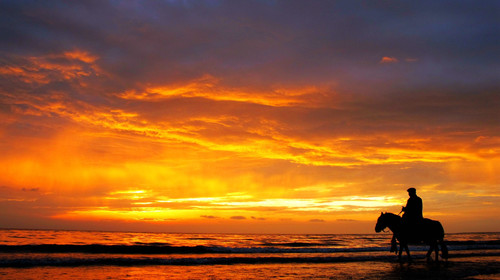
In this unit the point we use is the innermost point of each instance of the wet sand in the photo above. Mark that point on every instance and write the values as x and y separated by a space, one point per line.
459 268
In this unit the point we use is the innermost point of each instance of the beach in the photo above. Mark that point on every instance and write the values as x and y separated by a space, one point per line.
463 268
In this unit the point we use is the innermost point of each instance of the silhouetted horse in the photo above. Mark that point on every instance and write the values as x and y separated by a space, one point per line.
428 231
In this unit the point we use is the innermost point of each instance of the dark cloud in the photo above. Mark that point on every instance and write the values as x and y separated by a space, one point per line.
238 218
263 42
209 217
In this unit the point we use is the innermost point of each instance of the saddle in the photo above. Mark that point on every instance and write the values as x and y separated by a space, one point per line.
414 229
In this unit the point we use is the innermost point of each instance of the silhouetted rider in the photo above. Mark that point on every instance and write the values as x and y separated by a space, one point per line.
412 216
413 208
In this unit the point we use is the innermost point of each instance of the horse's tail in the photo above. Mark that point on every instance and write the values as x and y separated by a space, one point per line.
444 249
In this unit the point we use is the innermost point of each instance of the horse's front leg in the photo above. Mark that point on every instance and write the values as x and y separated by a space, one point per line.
394 245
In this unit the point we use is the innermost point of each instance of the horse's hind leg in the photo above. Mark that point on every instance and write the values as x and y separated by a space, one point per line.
436 250
429 252
401 245
408 253
444 250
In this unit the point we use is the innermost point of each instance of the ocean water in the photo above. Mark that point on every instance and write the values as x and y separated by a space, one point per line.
53 254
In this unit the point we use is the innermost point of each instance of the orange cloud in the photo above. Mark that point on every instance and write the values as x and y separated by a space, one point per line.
44 69
209 87
388 59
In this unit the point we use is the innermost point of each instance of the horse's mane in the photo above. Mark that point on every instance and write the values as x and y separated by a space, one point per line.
392 215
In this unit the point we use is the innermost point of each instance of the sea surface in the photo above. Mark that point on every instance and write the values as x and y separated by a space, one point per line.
57 254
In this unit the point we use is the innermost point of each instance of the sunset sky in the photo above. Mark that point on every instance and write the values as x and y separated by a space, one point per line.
248 116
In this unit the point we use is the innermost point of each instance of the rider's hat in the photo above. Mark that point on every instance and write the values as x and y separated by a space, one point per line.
411 190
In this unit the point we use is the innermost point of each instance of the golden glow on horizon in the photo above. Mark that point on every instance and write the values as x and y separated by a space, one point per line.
225 207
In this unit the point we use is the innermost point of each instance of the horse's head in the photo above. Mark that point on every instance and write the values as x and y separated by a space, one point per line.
381 223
